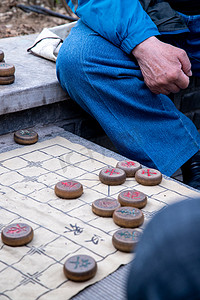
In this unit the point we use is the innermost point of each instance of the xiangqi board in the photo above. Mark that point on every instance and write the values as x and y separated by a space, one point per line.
63 228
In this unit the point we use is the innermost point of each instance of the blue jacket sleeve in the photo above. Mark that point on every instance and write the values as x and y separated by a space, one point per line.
123 22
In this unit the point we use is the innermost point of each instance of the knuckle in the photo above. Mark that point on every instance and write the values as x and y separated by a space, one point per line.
161 80
175 75
183 53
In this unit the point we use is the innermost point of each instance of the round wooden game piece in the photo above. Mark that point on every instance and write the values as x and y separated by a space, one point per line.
1 55
6 69
17 234
148 176
7 80
130 167
25 137
112 176
132 198
80 268
126 239
68 189
128 217
105 207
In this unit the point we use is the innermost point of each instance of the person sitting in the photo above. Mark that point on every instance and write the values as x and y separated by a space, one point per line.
121 61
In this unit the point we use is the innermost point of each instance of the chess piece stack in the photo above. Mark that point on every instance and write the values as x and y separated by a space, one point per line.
7 71
126 209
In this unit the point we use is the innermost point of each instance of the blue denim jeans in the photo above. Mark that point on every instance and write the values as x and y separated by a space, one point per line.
167 261
108 84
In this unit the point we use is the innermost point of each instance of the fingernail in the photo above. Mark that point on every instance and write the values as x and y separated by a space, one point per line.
189 73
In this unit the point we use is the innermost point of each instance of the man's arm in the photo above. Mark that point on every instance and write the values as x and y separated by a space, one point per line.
123 22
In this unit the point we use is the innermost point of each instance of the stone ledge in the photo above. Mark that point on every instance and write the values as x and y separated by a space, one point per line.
35 83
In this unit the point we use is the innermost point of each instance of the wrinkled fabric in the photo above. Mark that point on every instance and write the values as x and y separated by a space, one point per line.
48 42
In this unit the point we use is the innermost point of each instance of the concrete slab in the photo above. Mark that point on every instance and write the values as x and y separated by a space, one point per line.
36 82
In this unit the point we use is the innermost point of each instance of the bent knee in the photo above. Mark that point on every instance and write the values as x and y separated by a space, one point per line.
68 62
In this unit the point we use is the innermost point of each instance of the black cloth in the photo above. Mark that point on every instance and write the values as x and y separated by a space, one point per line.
188 7
165 13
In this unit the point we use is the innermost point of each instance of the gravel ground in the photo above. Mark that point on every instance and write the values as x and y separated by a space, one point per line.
15 22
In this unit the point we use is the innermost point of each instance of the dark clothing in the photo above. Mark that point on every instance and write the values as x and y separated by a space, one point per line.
188 7
164 13
167 261
164 16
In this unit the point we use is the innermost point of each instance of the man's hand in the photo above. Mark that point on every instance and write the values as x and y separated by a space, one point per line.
165 68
